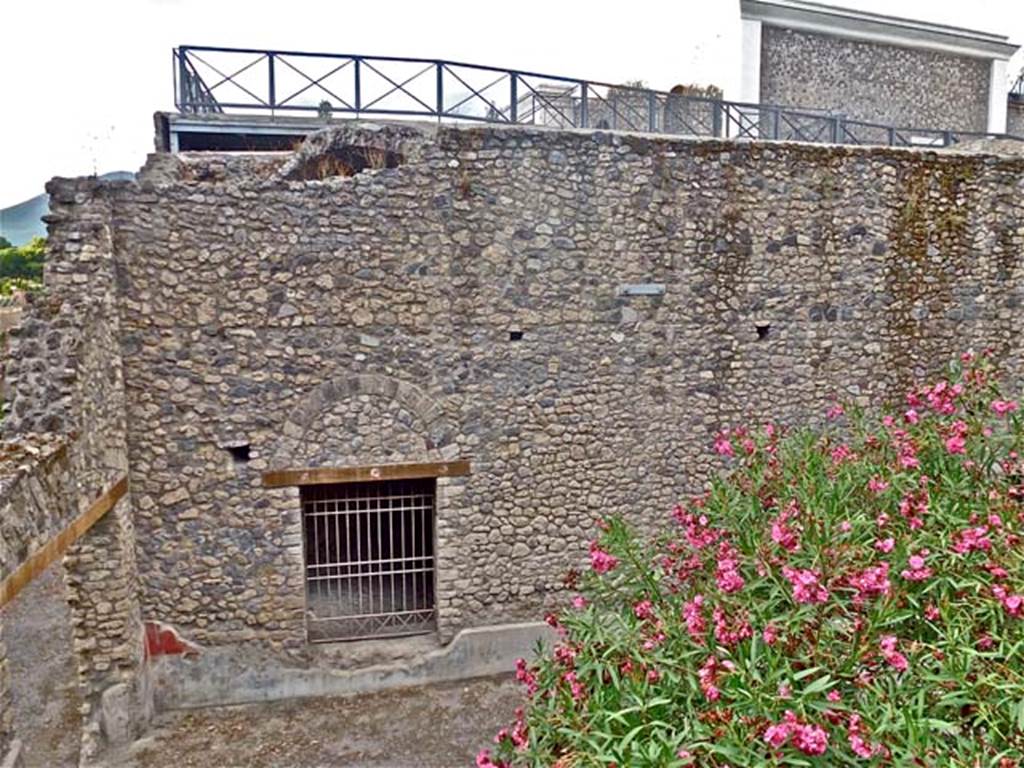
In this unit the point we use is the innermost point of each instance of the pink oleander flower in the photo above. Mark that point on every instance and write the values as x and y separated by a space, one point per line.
653 641
893 658
579 602
857 737
696 626
1013 603
931 612
834 412
601 561
956 444
708 675
808 738
972 540
911 416
776 735
885 545
842 453
723 447
916 569
483 760
696 529
730 633
1003 407
782 533
644 610
565 654
806 584
526 677
575 686
914 507
834 696
877 485
727 574
942 397
769 634
871 582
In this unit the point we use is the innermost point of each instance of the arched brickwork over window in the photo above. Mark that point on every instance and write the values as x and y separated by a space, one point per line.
364 419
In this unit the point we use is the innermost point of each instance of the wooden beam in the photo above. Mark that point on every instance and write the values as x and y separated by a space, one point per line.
323 475
39 560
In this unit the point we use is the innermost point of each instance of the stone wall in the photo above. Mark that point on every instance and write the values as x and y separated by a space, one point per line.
1015 118
575 313
64 376
35 488
874 82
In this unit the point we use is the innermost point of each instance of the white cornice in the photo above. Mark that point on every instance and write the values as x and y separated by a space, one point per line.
871 27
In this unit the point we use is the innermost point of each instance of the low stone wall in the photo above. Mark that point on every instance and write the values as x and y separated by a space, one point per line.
35 490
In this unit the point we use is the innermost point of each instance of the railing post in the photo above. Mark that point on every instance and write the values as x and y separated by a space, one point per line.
775 124
440 90
174 76
716 118
182 81
270 81
834 129
947 138
584 105
652 111
513 95
358 87
892 135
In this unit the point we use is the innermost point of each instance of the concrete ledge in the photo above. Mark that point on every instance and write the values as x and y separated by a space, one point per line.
239 675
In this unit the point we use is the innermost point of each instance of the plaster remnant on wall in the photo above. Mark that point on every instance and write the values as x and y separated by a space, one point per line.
164 640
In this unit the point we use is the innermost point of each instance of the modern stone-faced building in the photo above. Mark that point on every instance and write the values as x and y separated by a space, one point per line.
874 68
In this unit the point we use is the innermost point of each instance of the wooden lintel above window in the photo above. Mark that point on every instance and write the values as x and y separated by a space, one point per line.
323 475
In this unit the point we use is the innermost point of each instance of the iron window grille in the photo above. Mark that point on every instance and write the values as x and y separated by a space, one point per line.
369 559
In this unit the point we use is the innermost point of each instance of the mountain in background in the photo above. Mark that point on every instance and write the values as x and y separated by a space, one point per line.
21 222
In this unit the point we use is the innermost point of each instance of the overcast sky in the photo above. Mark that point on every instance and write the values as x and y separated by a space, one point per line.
80 79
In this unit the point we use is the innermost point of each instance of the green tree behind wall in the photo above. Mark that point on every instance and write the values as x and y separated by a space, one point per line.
22 261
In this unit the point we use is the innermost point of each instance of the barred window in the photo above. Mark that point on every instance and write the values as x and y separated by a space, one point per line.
369 554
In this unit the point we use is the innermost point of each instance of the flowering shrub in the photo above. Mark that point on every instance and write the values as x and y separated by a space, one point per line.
848 597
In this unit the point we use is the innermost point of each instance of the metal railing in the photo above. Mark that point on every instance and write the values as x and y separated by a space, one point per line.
255 81
1017 89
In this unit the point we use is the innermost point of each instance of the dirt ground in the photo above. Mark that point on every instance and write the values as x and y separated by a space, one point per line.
37 632
438 726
